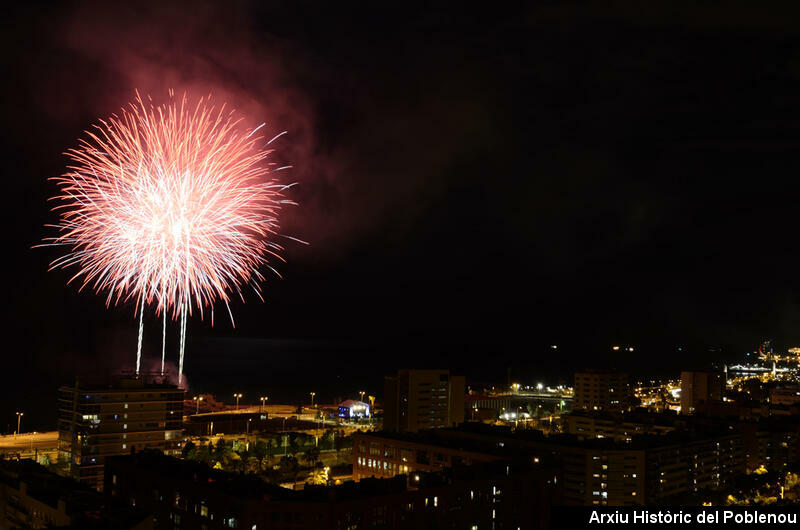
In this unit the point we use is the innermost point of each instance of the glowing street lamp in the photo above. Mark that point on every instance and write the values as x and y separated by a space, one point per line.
197 400
263 402
312 399
362 396
19 420
237 396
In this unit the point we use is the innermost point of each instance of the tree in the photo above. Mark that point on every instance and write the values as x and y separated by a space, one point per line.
318 477
239 447
293 447
328 439
220 450
189 450
312 455
260 451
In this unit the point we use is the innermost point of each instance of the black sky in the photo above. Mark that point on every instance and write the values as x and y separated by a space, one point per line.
475 185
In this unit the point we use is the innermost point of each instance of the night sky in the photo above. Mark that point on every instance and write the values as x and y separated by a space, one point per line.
474 185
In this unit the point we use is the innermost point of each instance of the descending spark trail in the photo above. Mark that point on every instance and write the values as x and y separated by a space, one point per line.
163 342
141 333
172 205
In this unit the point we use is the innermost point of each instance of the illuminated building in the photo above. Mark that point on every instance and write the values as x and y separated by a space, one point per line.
605 472
353 409
700 387
603 390
481 407
383 455
772 443
620 427
788 395
423 399
98 421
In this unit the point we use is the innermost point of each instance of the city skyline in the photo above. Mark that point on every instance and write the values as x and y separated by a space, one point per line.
555 237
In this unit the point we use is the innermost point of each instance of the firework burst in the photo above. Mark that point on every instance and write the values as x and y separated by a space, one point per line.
171 206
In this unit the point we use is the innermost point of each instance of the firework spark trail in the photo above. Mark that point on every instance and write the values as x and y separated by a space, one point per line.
182 346
163 342
171 205
141 333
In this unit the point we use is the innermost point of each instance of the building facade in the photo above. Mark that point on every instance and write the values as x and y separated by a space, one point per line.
32 497
352 409
602 390
620 427
183 494
606 472
423 399
382 455
98 421
700 387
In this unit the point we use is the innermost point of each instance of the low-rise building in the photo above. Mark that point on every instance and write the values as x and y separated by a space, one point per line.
383 455
32 497
351 408
183 494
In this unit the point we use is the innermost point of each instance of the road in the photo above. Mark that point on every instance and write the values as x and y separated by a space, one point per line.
29 441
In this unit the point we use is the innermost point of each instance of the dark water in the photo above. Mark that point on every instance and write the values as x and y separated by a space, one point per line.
288 370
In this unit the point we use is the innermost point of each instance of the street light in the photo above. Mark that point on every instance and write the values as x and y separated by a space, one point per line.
197 400
362 396
19 419
237 396
312 399
263 402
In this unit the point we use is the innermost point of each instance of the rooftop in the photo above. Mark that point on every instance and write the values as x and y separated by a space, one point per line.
249 487
80 501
